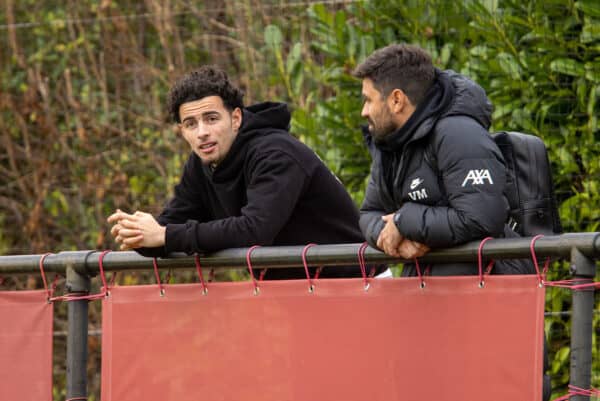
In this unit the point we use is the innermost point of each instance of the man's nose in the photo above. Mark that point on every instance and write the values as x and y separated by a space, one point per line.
202 130
364 113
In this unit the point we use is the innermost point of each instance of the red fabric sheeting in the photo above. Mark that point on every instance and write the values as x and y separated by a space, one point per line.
25 346
449 341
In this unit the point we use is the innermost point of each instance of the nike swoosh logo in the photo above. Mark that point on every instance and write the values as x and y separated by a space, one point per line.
416 182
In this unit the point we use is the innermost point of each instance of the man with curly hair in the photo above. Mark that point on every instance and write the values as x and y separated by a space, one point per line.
246 182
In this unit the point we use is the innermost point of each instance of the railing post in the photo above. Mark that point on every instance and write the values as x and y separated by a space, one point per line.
584 271
77 337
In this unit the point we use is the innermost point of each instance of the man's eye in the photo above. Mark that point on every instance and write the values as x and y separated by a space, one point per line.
189 124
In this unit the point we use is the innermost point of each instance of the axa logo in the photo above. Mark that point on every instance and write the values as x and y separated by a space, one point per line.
477 177
416 195
416 182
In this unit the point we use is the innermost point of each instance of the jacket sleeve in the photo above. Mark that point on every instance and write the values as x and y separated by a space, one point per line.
275 183
371 211
185 205
474 177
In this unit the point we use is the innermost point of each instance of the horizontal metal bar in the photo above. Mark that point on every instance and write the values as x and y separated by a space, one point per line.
65 334
565 313
86 262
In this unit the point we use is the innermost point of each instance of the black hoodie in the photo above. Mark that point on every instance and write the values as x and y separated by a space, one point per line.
270 189
456 197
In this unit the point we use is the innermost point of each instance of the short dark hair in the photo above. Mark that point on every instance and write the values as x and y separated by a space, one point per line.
399 66
208 80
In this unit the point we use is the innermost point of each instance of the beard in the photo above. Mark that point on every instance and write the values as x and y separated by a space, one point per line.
382 125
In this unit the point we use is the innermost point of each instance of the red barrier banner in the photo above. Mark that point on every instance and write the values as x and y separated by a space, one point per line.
25 346
448 341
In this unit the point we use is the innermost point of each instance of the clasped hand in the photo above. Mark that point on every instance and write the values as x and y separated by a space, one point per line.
136 230
394 244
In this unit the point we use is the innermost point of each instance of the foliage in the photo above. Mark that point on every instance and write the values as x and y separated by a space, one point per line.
81 107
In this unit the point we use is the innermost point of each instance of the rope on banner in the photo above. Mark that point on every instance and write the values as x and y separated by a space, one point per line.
104 291
199 270
311 287
592 392
574 390
419 274
571 284
540 273
480 262
362 264
157 275
49 292
574 285
249 263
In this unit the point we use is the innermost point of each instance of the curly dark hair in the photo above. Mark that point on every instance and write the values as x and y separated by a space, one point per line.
208 80
400 66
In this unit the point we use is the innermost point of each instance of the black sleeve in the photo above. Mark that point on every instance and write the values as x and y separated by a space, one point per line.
473 176
371 211
275 183
185 205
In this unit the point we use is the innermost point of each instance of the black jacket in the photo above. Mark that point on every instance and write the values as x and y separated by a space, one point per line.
269 190
441 174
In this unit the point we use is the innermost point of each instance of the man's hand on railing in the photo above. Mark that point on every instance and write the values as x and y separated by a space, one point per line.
394 244
136 230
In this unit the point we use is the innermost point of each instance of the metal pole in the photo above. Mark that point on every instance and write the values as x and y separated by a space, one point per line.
290 256
77 335
584 271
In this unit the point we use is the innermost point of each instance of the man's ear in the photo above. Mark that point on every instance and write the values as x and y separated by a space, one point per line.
236 118
397 101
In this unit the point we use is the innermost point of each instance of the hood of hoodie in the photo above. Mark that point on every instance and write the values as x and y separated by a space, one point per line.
257 120
470 99
451 94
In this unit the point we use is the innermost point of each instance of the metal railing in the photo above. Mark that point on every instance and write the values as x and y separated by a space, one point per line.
582 249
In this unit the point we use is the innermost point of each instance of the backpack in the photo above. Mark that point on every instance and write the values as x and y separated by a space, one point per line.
529 186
